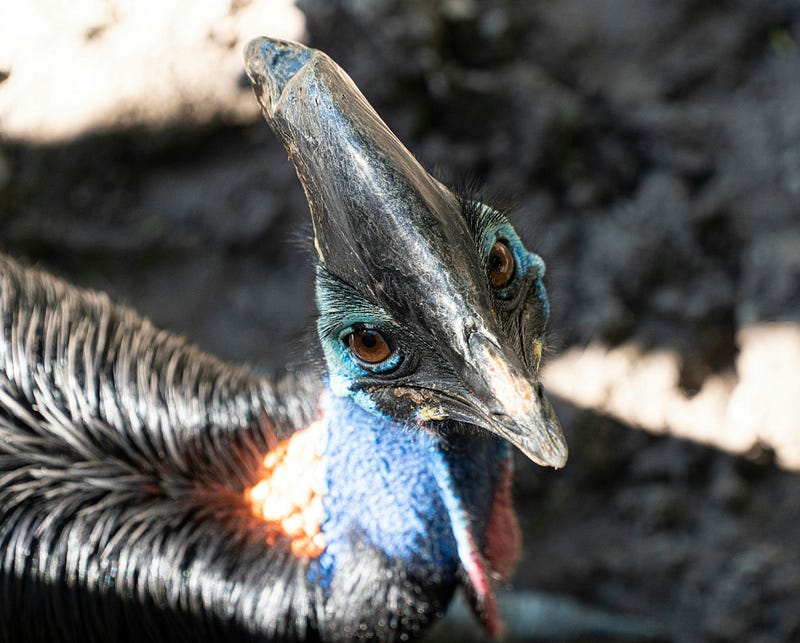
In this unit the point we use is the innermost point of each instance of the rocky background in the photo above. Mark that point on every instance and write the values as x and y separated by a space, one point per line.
651 151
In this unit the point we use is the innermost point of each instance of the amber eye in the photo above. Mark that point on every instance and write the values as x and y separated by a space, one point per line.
501 264
369 346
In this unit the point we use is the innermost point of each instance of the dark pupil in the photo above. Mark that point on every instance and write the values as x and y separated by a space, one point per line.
369 339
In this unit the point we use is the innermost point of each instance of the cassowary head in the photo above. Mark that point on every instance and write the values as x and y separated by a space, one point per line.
430 307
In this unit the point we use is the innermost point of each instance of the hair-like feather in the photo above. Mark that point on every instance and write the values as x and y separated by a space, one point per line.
124 454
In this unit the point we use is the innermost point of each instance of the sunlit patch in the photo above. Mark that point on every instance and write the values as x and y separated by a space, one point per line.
735 411
288 495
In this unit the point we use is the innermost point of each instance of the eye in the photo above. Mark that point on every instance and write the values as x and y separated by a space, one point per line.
501 264
369 346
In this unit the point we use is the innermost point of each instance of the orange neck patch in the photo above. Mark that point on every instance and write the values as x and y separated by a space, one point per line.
288 495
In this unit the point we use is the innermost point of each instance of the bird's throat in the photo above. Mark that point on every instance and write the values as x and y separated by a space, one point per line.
435 504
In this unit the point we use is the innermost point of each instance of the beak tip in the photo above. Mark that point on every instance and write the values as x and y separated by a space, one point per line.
252 59
270 64
252 48
559 460
555 457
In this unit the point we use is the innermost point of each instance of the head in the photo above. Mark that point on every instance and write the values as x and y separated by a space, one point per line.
430 307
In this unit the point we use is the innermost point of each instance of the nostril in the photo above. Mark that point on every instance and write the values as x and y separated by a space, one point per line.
539 390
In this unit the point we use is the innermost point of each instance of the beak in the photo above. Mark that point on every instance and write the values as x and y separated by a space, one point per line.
499 396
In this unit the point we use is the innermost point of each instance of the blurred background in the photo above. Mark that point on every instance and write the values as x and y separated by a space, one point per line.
651 152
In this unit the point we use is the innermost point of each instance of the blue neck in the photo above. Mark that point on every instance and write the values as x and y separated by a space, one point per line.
401 489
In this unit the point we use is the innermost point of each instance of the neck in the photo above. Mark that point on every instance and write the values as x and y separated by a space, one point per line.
426 501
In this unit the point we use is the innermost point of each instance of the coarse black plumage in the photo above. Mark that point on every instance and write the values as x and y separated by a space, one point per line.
124 453
149 491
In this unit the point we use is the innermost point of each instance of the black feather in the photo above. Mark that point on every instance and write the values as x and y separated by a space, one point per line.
124 455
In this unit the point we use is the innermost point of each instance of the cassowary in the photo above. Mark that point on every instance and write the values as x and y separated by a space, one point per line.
149 491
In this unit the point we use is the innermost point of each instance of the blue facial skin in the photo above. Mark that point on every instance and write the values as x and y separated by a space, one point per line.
396 502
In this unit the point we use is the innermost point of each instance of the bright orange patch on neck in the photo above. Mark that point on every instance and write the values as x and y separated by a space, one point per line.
288 495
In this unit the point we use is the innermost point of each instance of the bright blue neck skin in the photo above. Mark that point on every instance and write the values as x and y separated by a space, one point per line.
404 490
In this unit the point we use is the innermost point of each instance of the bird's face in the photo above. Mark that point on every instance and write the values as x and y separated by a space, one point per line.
453 330
430 307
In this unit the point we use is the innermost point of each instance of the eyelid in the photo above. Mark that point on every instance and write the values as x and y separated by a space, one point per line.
357 326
